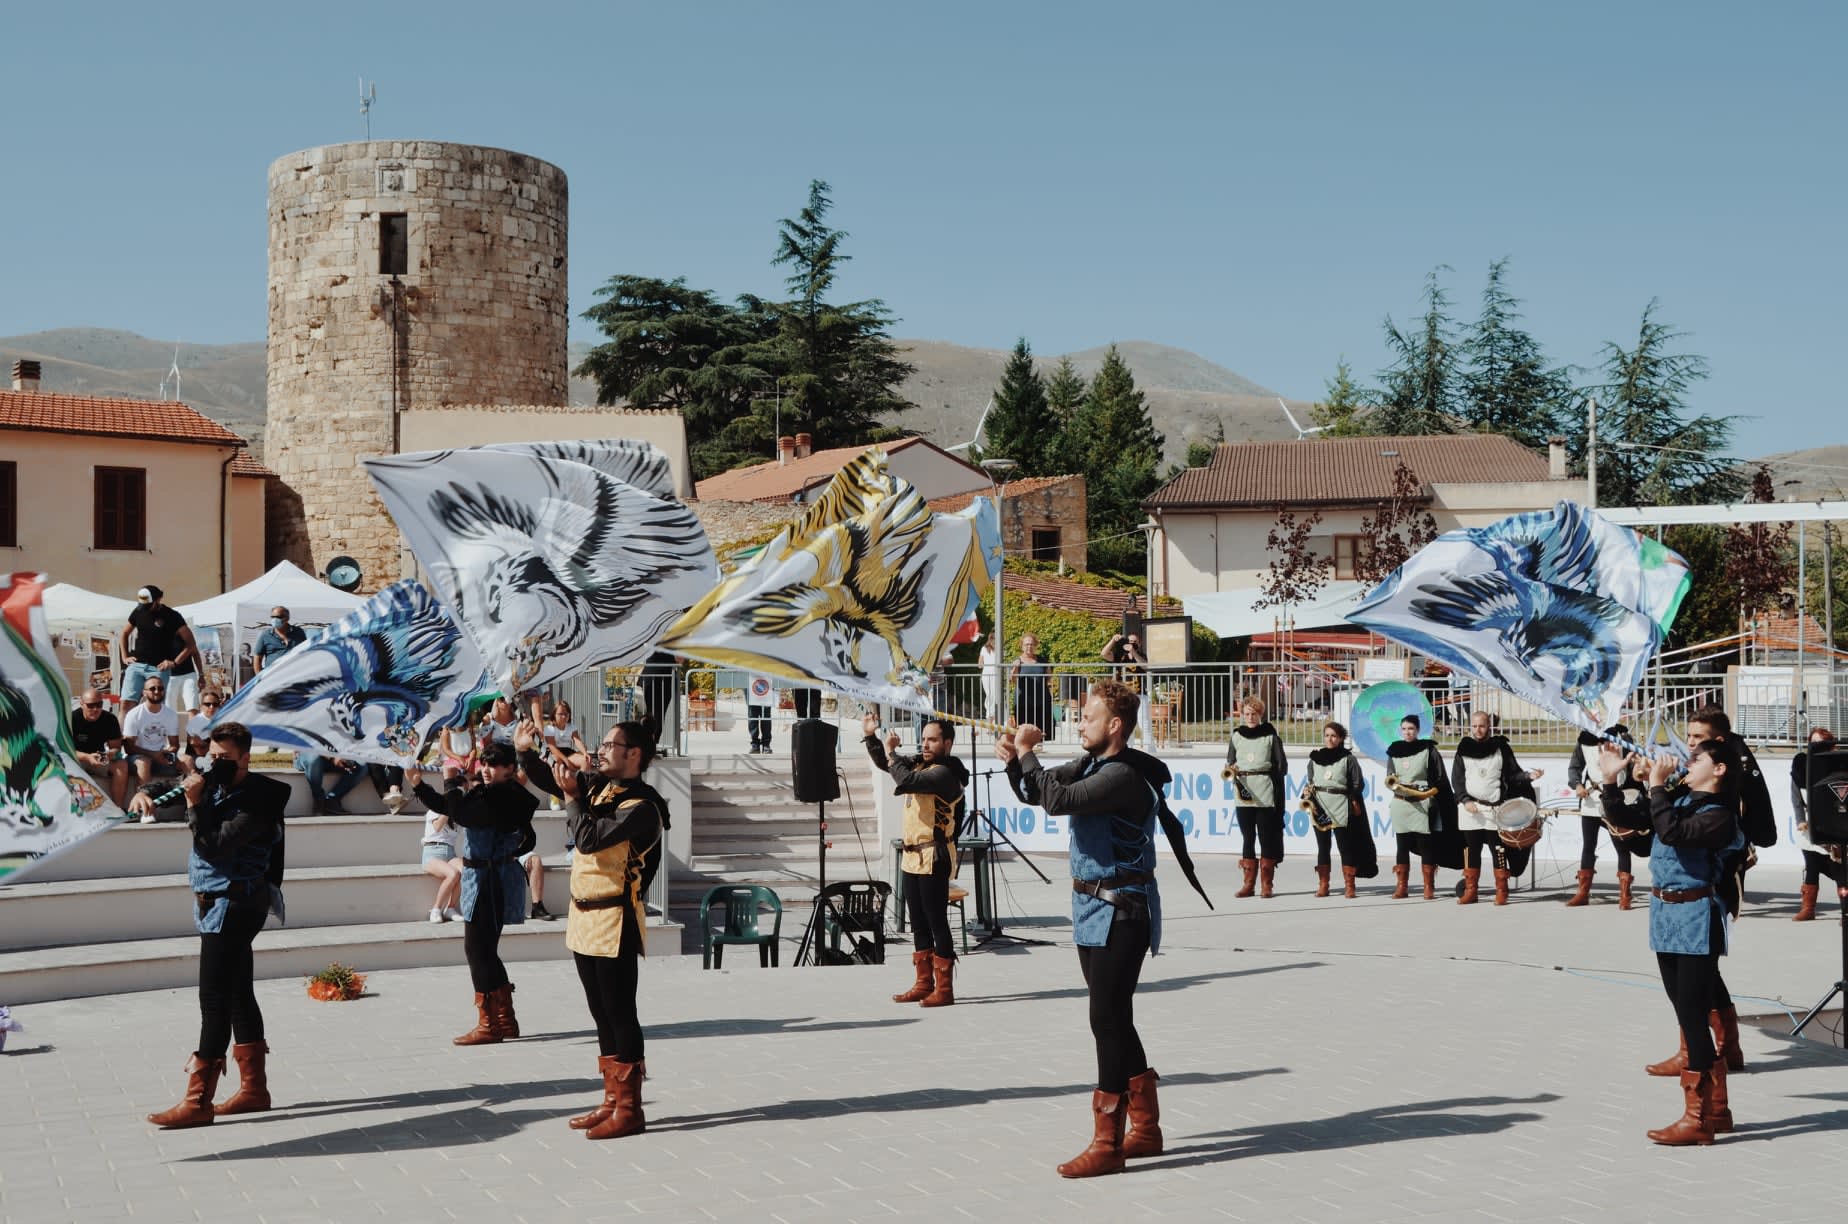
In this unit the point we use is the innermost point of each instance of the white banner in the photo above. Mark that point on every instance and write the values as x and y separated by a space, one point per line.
1205 805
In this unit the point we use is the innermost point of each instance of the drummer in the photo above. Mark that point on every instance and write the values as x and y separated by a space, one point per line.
1485 775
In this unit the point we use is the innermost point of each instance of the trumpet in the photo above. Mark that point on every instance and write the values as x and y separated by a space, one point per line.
1236 776
1313 806
1406 790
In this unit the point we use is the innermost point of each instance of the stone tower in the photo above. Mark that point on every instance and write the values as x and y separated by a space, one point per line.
401 274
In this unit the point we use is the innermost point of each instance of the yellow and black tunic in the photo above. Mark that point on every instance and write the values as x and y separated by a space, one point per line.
614 825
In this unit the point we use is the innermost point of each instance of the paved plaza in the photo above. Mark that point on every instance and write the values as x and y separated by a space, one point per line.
1321 1060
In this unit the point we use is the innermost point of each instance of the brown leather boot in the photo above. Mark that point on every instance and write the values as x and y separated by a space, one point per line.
606 1066
1430 881
920 989
943 992
1348 876
1401 888
1143 1137
1719 1117
1806 908
1501 886
195 1108
1105 1155
252 1080
1725 1025
500 1007
1321 879
1695 1123
1471 877
1624 881
483 1033
1583 895
1674 1064
622 1084
1250 868
1267 875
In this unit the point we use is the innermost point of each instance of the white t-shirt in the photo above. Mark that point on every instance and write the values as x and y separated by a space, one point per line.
498 732
560 739
152 729
448 836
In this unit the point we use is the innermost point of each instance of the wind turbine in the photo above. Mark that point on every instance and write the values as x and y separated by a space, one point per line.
963 447
1301 433
173 375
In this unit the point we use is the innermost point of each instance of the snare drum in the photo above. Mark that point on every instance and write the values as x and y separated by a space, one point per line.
1519 823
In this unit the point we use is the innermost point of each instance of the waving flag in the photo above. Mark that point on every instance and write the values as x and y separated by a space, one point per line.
863 594
47 802
555 557
376 685
1560 607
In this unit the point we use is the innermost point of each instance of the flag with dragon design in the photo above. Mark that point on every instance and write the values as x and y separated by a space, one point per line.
1561 607
47 802
556 558
376 686
862 594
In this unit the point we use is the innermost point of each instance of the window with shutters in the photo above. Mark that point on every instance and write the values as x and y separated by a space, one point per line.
1350 551
9 504
122 509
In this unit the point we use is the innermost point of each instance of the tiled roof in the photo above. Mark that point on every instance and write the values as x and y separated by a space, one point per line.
773 481
156 420
245 464
1344 470
1013 488
1105 603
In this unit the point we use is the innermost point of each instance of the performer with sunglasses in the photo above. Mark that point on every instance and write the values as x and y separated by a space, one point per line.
615 821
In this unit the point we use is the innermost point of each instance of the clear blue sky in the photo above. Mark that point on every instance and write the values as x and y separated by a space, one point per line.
1261 184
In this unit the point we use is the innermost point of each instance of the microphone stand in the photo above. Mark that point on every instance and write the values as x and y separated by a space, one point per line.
994 911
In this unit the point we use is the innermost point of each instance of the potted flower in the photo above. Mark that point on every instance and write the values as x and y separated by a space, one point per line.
337 982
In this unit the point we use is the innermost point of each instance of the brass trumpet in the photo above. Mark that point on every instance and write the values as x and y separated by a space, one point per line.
1236 776
1406 790
1317 816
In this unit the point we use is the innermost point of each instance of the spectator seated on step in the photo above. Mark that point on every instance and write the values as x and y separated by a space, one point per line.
196 744
151 735
442 858
328 779
97 736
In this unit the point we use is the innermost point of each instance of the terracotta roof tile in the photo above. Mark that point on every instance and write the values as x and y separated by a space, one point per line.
1013 488
1105 603
1344 470
157 420
245 464
773 481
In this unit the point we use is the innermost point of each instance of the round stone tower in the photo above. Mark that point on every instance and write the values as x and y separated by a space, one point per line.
401 273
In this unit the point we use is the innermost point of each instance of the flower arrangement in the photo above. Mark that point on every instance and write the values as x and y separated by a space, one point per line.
337 982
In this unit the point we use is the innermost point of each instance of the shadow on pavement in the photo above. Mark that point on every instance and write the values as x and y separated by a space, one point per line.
745 1026
1156 986
1363 1128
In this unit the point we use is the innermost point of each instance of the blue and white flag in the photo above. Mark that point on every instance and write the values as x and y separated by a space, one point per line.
47 802
1561 607
376 685
862 594
555 557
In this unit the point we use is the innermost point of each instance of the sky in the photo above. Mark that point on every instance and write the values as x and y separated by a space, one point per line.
1262 184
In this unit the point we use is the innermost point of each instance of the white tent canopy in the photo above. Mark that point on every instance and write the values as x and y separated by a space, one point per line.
72 609
306 597
1232 614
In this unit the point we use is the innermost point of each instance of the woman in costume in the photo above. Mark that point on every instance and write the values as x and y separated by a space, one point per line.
1485 775
1256 766
496 819
1585 774
1337 797
1420 802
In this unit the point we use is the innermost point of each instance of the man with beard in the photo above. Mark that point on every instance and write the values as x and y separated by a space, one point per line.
1485 775
934 785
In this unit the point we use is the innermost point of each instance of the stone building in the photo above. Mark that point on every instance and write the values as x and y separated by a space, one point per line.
1042 517
403 275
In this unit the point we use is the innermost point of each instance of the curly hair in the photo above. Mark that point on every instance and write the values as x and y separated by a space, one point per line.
1121 700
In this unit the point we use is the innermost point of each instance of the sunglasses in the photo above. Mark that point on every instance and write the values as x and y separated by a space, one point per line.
208 705
92 705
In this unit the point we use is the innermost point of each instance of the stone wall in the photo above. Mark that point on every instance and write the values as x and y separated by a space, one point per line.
478 315
1059 505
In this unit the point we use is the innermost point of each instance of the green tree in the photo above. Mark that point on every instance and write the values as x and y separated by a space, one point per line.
1418 392
1339 413
1507 387
1021 425
1116 442
1648 453
1065 394
1200 450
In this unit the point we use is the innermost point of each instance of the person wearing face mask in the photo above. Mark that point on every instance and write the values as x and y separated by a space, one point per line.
280 638
496 819
235 870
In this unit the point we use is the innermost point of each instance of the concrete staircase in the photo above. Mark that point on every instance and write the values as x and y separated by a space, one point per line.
115 913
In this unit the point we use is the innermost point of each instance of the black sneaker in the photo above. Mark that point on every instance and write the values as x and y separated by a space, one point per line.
541 914
330 806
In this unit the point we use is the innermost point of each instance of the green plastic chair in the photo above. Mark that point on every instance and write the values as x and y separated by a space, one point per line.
743 905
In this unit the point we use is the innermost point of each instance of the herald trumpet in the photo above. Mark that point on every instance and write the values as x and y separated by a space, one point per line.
1310 804
1406 790
1236 776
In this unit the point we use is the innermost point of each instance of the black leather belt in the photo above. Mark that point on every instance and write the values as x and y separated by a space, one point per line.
599 903
1109 891
1676 895
480 863
241 891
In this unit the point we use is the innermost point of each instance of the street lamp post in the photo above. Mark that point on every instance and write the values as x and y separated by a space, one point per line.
999 467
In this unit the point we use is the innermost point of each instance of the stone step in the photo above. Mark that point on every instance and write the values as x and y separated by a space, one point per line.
170 963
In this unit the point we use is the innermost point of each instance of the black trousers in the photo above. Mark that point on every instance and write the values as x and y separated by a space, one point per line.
1694 988
227 983
1111 973
807 702
1262 831
1473 842
927 906
759 717
1818 863
609 990
1588 856
481 944
1407 844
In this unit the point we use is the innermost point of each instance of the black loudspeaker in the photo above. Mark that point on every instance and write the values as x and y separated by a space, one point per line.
1827 790
813 744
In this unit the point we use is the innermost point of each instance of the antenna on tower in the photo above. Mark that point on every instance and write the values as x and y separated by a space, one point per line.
368 94
172 374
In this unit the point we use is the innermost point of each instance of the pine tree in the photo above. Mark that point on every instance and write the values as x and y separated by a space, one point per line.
1021 425
1338 413
1418 391
1120 449
1065 394
1200 450
1507 387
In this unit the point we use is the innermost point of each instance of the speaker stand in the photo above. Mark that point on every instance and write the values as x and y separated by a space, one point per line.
809 950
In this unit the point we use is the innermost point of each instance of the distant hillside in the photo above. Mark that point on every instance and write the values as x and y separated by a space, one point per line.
1808 475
